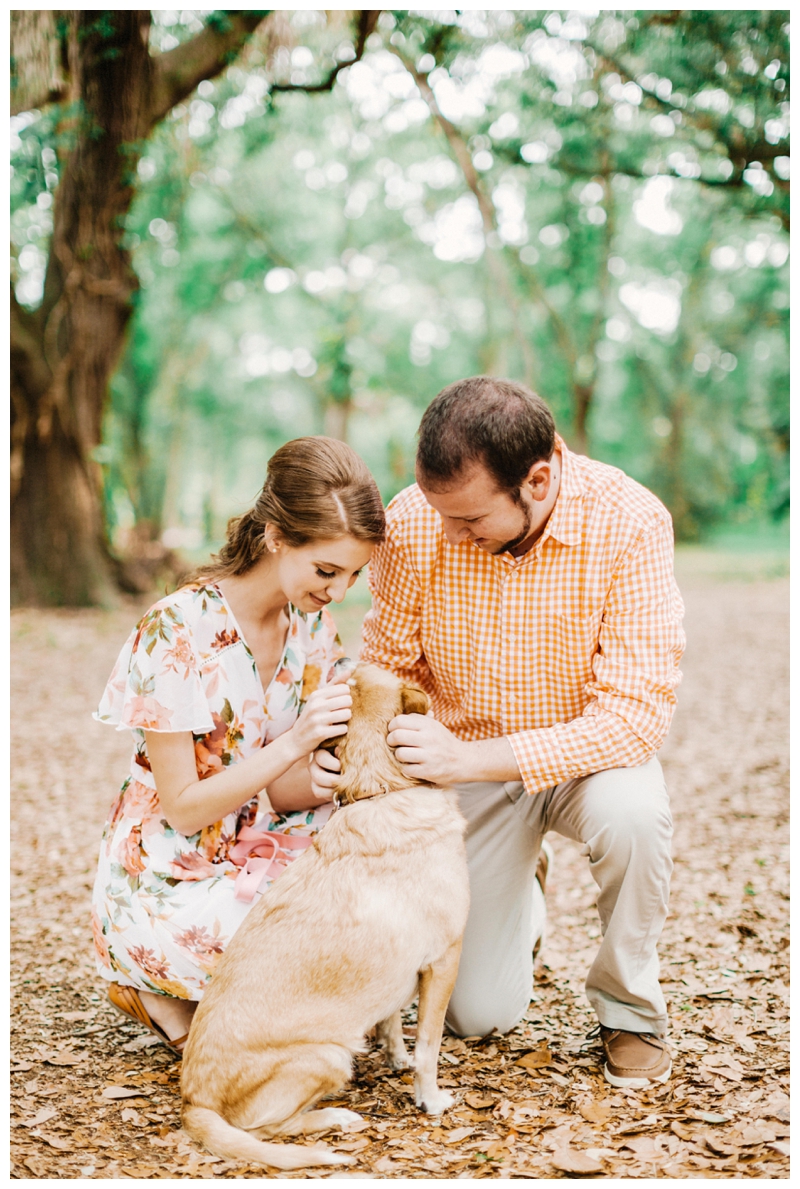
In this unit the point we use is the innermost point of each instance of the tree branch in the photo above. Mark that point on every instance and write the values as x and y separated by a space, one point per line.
485 205
177 72
37 71
367 20
747 150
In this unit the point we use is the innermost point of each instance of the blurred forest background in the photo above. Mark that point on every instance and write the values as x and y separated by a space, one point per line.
234 228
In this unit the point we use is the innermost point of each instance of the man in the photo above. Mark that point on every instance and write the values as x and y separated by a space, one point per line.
530 592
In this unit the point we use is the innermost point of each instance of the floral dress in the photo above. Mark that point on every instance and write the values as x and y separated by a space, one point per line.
164 904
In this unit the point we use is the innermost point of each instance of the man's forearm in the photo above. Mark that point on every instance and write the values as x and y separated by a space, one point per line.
490 759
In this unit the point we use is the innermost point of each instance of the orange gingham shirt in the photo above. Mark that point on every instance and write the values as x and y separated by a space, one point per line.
571 651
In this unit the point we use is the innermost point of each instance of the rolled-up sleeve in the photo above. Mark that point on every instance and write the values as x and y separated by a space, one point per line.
631 693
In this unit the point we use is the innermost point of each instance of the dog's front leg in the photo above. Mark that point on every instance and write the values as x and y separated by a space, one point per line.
389 1034
436 984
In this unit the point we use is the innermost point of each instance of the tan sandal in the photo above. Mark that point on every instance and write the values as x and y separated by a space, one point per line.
127 1001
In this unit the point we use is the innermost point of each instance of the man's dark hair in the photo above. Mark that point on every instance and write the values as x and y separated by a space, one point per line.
498 423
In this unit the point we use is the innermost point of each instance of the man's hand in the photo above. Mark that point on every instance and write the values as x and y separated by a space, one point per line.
325 769
426 750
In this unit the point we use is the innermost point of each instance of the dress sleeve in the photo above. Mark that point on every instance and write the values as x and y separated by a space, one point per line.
156 684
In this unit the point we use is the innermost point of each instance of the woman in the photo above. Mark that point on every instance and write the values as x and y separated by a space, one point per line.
226 686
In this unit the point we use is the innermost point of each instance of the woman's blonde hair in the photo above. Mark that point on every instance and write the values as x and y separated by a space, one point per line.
316 489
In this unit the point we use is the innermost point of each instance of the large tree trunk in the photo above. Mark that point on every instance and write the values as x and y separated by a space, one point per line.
58 553
64 353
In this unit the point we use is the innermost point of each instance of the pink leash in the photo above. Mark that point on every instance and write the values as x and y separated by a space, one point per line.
259 854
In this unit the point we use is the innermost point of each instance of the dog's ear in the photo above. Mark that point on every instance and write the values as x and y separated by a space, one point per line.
414 700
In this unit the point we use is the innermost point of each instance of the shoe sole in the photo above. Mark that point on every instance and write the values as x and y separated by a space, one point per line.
635 1083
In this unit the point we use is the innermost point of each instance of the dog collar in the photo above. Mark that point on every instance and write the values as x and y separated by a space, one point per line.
338 803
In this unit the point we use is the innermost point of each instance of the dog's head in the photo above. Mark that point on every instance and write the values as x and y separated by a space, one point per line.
368 762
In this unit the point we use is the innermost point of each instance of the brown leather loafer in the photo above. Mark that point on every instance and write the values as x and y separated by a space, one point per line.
634 1059
127 1001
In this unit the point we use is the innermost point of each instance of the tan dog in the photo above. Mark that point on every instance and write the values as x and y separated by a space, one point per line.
371 914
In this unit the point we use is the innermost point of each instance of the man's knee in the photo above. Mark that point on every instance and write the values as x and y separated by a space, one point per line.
631 804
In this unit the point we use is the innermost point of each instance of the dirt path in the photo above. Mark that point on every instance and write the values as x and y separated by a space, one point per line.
92 1097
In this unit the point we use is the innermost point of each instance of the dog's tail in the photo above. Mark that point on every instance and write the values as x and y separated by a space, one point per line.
221 1139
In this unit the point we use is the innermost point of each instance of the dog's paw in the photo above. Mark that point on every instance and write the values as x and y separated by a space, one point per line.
345 1120
435 1102
330 1118
326 1156
399 1059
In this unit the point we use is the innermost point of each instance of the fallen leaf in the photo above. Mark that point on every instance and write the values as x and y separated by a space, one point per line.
780 1146
122 1092
645 1147
352 1145
722 1063
601 1153
72 1016
457 1134
129 1115
638 1125
573 1160
707 1117
42 1117
596 1112
755 963
22 1067
684 1133
479 1101
750 1134
385 1164
718 1145
535 1060
63 1059
497 1150
54 1141
140 1042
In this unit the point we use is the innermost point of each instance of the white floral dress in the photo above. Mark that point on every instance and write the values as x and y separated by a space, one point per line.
164 904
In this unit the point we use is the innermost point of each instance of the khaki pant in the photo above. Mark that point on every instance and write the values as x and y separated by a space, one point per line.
622 821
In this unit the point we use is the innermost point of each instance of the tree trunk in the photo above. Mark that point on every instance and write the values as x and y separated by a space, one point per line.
64 353
58 553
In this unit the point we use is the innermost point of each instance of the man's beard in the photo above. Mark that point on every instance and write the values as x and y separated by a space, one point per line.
520 537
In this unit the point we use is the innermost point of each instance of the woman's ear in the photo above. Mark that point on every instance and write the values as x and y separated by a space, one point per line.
414 700
272 538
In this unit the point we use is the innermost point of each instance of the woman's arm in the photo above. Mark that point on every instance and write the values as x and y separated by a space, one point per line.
190 804
293 791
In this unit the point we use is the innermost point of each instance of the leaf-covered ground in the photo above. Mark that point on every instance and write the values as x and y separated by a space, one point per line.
91 1097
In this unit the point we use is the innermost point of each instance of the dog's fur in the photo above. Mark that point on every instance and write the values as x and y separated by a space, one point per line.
371 914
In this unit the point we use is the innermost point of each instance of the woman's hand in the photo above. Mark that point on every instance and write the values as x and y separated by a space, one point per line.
325 771
324 716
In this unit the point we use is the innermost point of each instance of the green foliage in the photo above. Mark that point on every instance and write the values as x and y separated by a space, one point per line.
316 263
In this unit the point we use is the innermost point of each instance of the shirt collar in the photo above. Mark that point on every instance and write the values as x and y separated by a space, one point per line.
566 519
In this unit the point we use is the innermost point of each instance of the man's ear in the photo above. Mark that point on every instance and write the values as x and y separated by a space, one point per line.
414 700
539 478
